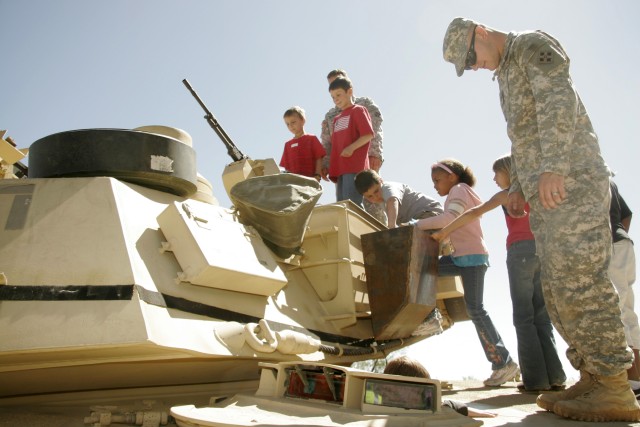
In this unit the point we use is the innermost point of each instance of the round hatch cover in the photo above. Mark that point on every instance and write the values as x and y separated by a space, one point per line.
151 160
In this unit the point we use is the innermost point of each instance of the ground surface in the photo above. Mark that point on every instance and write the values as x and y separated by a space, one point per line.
513 408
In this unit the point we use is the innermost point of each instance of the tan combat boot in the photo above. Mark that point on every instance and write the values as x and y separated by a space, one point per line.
608 399
548 400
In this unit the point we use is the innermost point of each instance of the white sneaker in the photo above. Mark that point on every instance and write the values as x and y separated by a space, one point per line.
431 325
500 376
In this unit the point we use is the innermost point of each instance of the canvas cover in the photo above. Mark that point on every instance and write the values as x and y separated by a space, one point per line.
278 207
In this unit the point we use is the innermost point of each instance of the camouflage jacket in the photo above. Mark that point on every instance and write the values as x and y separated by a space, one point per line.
547 123
375 147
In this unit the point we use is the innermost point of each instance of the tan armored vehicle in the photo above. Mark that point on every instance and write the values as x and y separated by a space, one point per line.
125 289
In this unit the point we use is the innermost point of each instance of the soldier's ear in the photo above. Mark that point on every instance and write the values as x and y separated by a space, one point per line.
481 32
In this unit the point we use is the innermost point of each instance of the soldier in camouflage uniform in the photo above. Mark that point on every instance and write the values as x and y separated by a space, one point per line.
375 145
559 170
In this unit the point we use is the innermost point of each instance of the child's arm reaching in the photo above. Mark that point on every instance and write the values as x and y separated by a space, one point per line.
498 199
458 201
392 206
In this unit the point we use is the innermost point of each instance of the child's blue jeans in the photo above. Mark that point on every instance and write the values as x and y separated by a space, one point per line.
473 284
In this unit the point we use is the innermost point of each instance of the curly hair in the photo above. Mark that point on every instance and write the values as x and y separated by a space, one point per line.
464 173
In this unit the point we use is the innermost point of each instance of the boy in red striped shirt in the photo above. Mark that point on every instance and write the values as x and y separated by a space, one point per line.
352 132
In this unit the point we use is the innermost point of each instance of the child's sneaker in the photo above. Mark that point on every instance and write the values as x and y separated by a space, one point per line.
500 376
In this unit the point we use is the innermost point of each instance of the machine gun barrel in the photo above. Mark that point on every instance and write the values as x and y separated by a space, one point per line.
233 151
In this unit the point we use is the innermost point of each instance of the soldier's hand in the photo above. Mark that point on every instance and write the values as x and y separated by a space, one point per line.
551 190
375 163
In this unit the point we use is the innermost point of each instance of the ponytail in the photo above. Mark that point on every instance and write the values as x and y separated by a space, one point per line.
464 173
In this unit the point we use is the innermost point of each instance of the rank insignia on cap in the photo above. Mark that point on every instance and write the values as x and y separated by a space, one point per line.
545 57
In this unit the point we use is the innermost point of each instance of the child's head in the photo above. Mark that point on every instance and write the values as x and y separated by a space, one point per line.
406 366
341 91
449 172
502 171
294 118
333 74
369 184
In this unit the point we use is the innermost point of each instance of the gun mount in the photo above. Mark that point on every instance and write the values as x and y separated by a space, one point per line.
233 151
242 167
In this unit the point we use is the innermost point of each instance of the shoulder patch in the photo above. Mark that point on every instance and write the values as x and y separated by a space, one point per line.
548 55
545 57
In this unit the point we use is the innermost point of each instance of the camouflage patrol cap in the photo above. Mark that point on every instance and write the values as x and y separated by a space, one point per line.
456 45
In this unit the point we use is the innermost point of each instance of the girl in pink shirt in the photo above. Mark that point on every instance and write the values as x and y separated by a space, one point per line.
469 260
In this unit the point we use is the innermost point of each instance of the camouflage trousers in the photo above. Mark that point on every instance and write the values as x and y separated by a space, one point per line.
573 242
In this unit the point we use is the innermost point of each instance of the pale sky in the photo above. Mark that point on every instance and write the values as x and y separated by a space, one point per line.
77 64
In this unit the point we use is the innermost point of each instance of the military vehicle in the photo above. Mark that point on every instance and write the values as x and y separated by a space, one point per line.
126 289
